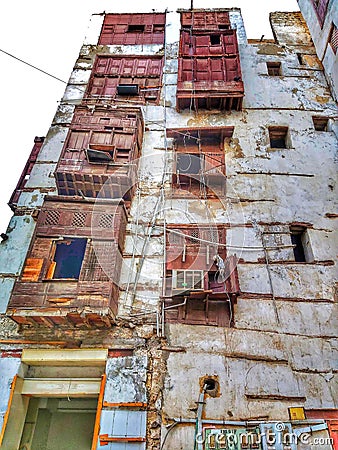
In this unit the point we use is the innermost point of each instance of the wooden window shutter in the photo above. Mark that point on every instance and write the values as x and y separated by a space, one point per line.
32 269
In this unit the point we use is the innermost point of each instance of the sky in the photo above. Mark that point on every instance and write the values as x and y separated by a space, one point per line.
49 35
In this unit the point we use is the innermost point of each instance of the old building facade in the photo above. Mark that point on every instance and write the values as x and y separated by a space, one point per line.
168 276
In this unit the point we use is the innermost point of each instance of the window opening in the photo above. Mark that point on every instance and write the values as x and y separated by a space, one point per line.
135 28
99 156
187 163
185 280
278 137
127 89
224 27
320 123
297 239
47 420
274 68
300 59
68 258
215 39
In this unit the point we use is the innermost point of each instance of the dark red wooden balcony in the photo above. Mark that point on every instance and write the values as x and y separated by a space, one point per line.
100 154
71 274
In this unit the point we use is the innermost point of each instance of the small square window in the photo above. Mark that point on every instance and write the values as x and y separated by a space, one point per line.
136 29
274 68
278 137
215 39
320 123
68 258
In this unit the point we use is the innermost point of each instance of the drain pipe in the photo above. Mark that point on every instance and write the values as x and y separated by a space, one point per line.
198 445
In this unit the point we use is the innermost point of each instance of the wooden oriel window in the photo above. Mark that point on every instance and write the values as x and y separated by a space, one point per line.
199 160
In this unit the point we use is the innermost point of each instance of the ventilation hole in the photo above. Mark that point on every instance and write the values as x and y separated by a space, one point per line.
210 385
52 218
106 221
79 219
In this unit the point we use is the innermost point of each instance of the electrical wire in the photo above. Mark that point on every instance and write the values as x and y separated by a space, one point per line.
33 67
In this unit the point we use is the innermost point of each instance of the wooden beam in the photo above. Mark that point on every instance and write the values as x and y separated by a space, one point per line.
67 387
65 357
125 405
105 438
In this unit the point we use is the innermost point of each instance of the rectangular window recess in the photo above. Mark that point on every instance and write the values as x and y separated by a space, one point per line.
274 68
320 123
224 27
99 156
278 137
215 39
297 239
68 258
128 89
188 163
136 29
188 280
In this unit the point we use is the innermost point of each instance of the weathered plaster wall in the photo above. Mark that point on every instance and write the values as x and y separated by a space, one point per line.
320 36
281 351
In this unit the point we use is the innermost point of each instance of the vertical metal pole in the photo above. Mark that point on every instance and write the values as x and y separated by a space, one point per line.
192 4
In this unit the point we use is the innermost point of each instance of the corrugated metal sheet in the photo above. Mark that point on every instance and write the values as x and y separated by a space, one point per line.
131 29
123 423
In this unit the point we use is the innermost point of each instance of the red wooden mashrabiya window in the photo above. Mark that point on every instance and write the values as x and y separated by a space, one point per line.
201 283
131 78
131 29
199 159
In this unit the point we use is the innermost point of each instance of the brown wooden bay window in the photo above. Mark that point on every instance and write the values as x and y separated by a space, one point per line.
201 283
